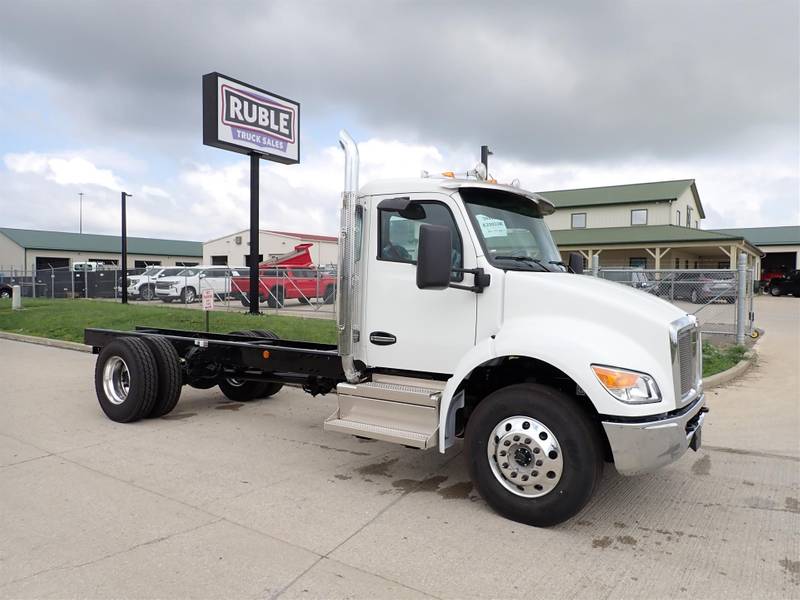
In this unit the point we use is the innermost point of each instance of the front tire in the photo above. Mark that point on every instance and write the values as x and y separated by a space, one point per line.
188 295
147 293
533 454
126 380
775 290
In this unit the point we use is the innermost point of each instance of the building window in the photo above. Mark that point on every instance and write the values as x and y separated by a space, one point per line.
578 220
219 260
688 216
179 263
639 216
677 217
143 264
677 263
638 263
247 259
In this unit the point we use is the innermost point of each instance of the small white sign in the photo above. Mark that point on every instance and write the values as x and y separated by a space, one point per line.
492 227
208 299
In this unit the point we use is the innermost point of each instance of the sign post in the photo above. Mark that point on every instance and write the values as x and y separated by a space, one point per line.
208 303
242 118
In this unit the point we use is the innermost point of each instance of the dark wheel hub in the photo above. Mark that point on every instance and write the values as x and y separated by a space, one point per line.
523 456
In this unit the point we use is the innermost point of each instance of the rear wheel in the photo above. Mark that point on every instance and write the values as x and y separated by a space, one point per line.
775 290
533 454
147 292
170 379
330 294
126 380
276 297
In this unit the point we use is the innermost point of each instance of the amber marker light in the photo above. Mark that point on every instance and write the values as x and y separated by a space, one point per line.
265 354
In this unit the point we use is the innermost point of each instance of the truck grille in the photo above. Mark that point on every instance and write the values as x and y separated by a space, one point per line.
161 285
687 359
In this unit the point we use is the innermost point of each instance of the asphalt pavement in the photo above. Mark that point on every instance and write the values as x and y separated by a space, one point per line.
224 499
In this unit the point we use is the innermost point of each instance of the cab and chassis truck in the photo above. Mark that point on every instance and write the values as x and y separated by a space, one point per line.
457 319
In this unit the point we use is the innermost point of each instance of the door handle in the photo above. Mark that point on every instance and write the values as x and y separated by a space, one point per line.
381 338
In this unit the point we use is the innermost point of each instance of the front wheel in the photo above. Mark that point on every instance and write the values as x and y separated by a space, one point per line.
774 290
533 454
188 295
147 293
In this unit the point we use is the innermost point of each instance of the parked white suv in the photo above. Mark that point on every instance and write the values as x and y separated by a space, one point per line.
143 286
187 285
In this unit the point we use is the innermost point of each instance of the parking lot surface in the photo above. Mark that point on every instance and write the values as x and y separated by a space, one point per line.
223 499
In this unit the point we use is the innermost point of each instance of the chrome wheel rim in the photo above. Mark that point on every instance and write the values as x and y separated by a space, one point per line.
189 295
116 380
233 382
525 457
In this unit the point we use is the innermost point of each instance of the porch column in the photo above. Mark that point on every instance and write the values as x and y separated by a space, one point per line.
733 254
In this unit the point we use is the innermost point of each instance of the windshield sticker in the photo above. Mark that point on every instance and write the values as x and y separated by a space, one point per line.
492 227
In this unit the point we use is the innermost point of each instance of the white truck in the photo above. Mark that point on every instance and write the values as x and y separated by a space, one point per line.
188 284
457 319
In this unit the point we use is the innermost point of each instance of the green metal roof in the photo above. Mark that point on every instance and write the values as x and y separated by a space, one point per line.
788 235
645 234
657 191
90 242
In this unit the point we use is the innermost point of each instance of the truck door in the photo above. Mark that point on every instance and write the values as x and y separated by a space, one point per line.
405 327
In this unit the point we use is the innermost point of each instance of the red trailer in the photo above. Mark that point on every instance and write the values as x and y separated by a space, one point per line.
287 277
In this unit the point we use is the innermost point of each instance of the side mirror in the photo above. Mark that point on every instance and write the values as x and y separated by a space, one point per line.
576 263
433 257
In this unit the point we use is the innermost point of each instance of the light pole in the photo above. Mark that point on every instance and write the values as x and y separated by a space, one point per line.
124 283
80 213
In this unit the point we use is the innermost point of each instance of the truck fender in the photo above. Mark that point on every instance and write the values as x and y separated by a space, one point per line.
571 356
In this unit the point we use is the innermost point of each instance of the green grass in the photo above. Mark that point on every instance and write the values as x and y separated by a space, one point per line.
717 359
66 320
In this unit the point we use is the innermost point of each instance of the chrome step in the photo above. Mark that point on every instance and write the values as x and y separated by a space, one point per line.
396 389
401 410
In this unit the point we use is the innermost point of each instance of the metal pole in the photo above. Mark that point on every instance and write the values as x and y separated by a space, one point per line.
485 154
595 265
33 281
124 284
80 213
741 269
253 293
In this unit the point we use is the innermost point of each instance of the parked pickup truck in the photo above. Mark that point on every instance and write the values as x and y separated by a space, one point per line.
143 286
189 283
288 277
459 329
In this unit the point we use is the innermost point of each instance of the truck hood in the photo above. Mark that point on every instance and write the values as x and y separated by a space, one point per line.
588 297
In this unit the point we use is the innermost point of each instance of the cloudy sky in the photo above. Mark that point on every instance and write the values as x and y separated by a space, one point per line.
97 97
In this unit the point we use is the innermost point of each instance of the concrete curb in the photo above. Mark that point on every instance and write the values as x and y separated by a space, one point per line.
735 371
30 339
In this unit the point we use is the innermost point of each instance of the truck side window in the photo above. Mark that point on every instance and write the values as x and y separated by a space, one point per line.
398 237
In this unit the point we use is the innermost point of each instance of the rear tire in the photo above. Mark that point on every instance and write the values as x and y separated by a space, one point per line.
775 290
126 380
147 293
330 294
276 297
170 378
541 480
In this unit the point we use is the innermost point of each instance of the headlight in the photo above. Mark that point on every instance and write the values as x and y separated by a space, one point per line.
627 386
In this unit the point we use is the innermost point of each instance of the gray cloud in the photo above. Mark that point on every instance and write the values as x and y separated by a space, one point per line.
539 81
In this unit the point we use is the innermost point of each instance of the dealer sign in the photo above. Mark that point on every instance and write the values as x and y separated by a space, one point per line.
249 120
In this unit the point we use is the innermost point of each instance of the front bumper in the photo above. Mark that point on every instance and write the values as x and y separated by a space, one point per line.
644 446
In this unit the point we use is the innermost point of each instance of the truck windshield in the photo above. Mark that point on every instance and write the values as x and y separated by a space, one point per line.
512 231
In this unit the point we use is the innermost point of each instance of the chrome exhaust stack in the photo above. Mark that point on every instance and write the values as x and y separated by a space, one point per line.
347 289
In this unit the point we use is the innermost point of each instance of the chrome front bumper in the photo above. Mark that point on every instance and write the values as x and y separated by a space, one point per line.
644 446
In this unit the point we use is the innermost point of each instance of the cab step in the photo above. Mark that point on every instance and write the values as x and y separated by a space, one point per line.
401 410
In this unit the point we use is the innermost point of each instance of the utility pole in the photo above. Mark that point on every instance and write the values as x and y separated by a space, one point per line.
124 283
254 234
80 213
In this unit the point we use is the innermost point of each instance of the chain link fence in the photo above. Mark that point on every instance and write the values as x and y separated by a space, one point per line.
714 296
308 291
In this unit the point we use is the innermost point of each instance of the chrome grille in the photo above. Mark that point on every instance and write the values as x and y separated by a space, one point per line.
163 285
687 360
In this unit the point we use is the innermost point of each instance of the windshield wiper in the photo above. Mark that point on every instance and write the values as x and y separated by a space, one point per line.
525 259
